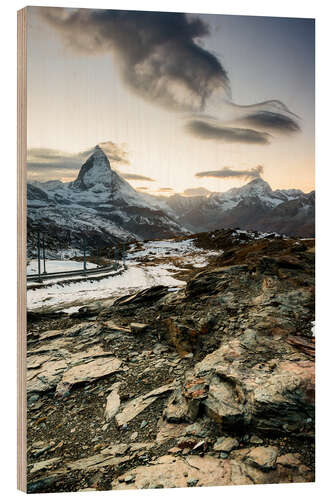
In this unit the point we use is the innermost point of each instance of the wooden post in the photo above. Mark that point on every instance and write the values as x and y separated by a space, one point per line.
84 255
38 254
43 247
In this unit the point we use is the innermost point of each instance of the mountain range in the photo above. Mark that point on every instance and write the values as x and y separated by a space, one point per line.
101 207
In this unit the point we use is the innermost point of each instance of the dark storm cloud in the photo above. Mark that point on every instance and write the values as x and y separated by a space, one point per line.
160 57
157 52
199 191
136 177
227 173
206 130
268 120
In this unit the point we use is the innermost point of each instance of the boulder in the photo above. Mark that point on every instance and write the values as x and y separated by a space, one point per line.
226 444
276 395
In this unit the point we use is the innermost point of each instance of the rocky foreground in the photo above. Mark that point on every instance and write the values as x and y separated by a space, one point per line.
212 384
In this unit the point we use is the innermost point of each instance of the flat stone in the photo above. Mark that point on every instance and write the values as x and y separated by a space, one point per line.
142 446
112 403
50 334
136 406
90 371
116 450
290 460
137 328
262 457
168 431
46 378
174 450
97 461
110 325
44 465
36 361
226 444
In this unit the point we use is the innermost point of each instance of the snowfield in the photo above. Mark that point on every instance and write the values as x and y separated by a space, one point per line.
135 278
172 248
57 266
148 264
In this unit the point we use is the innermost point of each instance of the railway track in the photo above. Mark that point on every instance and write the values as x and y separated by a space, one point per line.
66 274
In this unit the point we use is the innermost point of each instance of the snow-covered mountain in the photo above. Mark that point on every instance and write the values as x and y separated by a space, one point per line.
99 206
253 206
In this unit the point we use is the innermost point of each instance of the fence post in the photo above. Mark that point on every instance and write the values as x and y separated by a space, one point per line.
38 254
43 247
84 255
115 256
124 255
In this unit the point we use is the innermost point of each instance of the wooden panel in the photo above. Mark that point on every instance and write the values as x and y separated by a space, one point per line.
21 249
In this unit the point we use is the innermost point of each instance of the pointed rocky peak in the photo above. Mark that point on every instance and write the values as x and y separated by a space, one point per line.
95 171
258 185
98 154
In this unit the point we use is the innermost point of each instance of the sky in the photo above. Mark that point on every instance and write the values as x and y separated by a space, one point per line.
180 103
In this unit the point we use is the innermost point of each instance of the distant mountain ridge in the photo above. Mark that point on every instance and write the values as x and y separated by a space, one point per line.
101 207
253 206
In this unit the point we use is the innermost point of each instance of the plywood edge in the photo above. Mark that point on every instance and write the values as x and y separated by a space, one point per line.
21 249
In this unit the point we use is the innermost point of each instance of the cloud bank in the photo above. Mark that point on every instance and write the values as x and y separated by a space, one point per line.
205 130
268 120
199 191
44 163
228 173
136 177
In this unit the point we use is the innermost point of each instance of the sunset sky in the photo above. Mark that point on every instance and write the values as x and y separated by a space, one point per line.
181 102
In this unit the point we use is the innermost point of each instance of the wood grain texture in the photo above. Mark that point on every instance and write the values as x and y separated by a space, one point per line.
21 249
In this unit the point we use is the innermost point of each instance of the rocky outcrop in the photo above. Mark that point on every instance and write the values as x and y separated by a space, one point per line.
209 385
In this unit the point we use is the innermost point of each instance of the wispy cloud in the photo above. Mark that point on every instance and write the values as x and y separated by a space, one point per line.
268 120
165 190
206 130
227 173
136 177
45 163
199 191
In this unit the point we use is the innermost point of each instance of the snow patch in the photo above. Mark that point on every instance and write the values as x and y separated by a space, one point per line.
57 266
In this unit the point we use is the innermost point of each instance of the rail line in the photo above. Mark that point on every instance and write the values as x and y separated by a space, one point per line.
64 274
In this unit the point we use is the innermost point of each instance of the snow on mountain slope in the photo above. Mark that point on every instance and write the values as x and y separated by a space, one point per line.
99 206
253 206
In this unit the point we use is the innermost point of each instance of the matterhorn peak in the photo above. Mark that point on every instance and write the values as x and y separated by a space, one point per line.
96 170
98 152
